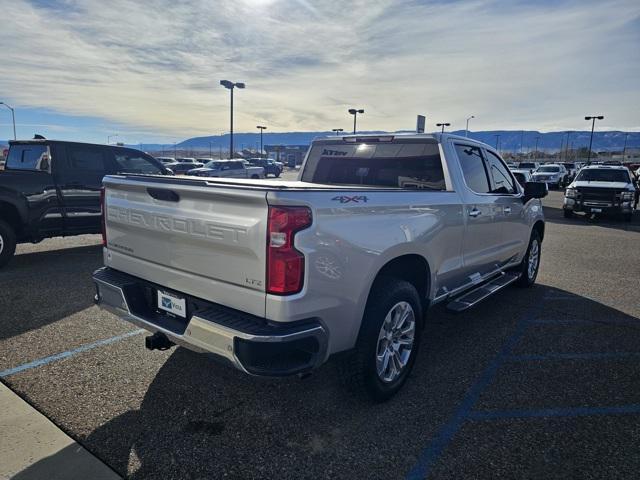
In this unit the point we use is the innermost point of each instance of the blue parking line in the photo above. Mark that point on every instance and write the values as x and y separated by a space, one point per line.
571 356
430 455
555 412
69 353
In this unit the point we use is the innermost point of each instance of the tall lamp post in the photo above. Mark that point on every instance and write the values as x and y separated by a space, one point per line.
443 125
497 142
466 131
624 149
230 86
109 137
262 128
355 112
337 130
593 119
13 118
535 155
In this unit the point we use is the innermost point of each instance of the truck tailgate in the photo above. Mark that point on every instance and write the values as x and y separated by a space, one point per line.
205 240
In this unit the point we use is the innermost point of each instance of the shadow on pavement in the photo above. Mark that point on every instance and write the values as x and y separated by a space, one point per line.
555 215
200 419
65 276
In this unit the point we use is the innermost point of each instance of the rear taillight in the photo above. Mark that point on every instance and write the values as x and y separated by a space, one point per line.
285 264
103 215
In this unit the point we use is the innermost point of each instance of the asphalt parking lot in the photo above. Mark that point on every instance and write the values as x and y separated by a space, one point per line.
537 383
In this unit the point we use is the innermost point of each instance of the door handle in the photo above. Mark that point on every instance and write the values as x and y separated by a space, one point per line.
507 209
474 213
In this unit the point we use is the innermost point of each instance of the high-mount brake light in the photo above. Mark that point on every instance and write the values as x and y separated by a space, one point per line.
103 216
285 264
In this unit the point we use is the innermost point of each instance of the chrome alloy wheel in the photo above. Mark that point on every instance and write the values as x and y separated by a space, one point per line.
534 258
395 341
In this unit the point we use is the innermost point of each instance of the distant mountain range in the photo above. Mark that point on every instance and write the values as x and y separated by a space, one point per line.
507 140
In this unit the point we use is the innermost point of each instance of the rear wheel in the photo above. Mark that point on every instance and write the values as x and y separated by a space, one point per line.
7 243
388 342
254 176
567 213
627 216
531 261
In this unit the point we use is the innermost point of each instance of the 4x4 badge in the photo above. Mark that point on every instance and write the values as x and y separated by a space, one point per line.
346 199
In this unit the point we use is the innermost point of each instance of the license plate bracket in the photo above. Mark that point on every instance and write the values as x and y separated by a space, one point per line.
172 303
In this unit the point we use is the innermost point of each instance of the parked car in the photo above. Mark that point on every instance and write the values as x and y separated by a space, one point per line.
572 170
531 166
271 167
553 174
348 259
602 189
181 168
51 188
522 176
228 168
166 160
186 160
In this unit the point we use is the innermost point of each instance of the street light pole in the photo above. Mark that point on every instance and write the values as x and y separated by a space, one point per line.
535 155
355 112
497 142
262 128
624 150
210 150
593 119
231 86
337 130
13 118
443 125
466 131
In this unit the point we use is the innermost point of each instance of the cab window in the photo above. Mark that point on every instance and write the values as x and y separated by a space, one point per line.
28 157
502 180
130 161
473 168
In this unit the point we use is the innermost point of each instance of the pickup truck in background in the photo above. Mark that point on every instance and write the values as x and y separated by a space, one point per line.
51 188
276 276
228 169
602 190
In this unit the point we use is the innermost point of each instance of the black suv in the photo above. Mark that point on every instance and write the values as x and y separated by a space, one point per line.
270 166
51 188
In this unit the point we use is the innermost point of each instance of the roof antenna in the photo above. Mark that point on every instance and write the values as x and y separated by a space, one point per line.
38 137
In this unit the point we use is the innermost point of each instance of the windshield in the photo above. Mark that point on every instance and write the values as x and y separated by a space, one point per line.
212 165
548 169
527 165
603 175
392 165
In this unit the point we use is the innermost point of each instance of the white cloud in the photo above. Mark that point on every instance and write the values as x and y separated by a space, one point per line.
155 66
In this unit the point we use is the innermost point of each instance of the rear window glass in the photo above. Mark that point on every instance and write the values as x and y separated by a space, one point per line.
28 157
549 169
395 165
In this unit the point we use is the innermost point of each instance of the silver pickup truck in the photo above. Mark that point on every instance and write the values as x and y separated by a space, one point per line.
276 276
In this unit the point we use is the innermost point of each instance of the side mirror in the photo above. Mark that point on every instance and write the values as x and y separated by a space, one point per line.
535 190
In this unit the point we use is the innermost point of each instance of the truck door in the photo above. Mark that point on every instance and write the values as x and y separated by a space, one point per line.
482 243
80 179
510 209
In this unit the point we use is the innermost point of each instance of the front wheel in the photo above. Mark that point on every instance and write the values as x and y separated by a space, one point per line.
567 213
531 261
254 176
7 243
388 342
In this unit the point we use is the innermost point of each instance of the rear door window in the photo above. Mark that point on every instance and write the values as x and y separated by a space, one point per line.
473 168
28 157
85 165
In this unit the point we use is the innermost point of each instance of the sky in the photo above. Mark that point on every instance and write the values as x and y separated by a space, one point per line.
149 71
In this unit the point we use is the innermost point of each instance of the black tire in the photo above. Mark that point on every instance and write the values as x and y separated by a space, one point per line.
7 243
526 280
567 213
359 371
254 176
278 174
627 216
